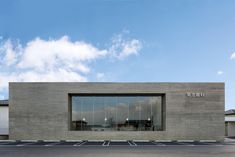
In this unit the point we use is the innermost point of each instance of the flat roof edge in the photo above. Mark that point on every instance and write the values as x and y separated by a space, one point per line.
126 82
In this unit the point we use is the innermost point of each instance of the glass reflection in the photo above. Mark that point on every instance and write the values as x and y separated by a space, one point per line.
116 113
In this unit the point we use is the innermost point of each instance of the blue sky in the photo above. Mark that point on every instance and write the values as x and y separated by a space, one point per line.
125 40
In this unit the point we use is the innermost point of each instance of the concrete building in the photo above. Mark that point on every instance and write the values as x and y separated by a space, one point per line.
4 119
230 123
116 111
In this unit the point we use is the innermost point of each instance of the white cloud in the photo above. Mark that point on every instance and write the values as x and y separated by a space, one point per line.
123 47
46 61
44 55
56 60
100 76
2 97
232 56
9 50
220 72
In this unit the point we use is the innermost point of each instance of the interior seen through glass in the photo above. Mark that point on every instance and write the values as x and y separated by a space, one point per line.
116 113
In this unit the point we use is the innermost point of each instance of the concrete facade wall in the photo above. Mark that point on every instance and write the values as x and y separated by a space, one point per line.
41 111
4 120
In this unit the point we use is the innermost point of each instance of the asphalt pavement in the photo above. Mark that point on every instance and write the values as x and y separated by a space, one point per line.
116 149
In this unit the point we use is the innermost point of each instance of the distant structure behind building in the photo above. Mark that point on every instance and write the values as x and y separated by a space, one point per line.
4 119
230 123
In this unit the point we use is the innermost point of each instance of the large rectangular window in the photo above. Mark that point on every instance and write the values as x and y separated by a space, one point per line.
117 112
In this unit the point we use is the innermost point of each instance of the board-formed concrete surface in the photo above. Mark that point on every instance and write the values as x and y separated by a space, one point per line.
41 111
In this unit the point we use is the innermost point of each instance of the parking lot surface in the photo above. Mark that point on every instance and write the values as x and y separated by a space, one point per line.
109 143
116 149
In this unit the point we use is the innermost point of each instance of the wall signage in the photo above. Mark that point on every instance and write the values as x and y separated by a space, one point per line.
195 94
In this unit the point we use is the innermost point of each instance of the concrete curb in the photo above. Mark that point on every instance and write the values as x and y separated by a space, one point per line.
185 141
207 141
141 141
163 141
118 140
28 140
7 140
73 140
95 140
51 140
